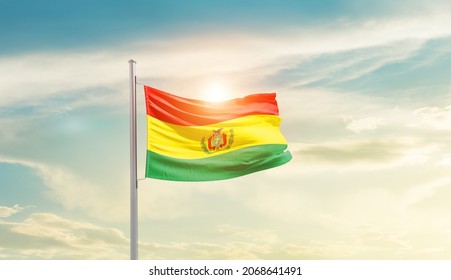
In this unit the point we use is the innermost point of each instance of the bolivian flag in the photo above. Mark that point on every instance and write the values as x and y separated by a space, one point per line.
193 140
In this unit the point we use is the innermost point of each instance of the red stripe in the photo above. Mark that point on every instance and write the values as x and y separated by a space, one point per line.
190 112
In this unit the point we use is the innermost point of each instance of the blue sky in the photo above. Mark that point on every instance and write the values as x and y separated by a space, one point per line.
365 100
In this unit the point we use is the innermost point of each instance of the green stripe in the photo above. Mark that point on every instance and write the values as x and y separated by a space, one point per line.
224 166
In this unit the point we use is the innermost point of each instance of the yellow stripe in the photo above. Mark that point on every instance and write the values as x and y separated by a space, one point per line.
191 142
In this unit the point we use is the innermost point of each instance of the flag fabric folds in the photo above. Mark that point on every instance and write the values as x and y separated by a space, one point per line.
194 140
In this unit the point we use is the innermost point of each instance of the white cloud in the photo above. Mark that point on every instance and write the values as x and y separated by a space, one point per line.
365 154
368 123
364 242
445 160
49 236
9 211
438 118
207 251
257 236
420 192
74 192
32 78
341 66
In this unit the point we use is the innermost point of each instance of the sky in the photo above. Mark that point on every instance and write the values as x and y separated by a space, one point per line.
364 94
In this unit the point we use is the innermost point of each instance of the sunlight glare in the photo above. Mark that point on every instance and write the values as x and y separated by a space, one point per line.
216 92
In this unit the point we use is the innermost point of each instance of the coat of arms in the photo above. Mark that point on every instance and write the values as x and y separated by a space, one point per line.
217 141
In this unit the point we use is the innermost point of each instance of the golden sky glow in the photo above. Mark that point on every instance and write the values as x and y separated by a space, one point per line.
365 101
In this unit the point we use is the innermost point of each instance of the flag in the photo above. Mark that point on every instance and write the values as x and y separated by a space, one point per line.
194 140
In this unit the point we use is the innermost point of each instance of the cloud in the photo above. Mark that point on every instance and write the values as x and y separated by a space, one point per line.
334 67
204 251
364 242
438 118
99 76
60 76
10 129
257 236
357 152
234 243
418 193
445 160
74 192
49 236
369 123
5 212
365 155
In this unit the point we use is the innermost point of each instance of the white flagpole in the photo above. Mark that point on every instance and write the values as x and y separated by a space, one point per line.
133 172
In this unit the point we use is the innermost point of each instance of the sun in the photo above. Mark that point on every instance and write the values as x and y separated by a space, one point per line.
215 92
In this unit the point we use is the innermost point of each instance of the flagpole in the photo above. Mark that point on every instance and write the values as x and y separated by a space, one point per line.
133 172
